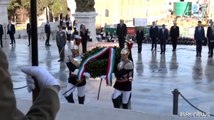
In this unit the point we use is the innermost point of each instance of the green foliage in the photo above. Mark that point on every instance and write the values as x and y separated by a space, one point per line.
42 4
12 6
98 66
56 6
59 7
17 4
25 4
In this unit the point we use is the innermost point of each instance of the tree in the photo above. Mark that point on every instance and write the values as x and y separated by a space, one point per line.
42 4
15 4
17 8
58 7
25 4
12 7
21 8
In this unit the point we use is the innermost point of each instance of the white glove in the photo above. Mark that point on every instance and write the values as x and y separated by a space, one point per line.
103 77
87 75
30 83
43 77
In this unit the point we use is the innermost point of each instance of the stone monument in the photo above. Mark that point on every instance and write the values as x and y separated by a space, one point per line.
4 15
85 14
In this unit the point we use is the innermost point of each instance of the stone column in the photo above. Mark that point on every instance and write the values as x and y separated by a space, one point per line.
88 19
4 15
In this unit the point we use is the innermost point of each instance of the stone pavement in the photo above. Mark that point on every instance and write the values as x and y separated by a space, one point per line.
155 77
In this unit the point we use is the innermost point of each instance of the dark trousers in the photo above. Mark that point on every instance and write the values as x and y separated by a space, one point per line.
211 47
12 38
174 43
198 47
84 46
61 52
1 41
47 39
163 45
29 36
154 43
121 42
139 45
69 37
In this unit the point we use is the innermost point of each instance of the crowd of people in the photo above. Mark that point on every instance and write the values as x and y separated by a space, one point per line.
48 85
47 107
79 35
162 35
11 30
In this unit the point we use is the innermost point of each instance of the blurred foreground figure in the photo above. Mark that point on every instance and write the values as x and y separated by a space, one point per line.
46 105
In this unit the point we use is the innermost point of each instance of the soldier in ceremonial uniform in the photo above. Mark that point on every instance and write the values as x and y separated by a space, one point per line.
73 62
123 84
69 32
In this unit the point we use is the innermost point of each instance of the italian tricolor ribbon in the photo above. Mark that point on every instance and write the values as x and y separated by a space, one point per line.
96 55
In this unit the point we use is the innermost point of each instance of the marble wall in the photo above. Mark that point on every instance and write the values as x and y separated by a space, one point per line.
129 9
4 14
88 19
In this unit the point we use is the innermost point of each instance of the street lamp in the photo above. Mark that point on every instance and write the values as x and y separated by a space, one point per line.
34 41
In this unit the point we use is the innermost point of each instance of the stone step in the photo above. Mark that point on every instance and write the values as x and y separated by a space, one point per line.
84 112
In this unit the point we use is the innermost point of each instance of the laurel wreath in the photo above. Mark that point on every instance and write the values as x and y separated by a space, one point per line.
99 66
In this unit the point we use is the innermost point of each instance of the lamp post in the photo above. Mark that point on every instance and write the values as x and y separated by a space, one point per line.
34 42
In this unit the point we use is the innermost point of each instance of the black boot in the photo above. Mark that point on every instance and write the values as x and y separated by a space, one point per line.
128 105
117 102
125 106
81 99
70 98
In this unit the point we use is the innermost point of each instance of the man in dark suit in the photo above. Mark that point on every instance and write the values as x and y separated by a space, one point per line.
48 33
153 33
140 38
174 34
84 38
121 33
11 30
199 37
163 36
210 37
1 34
28 33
